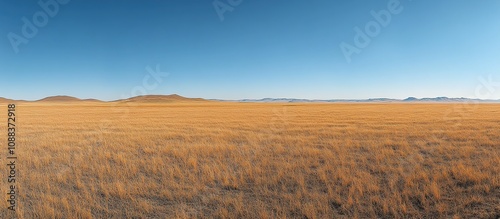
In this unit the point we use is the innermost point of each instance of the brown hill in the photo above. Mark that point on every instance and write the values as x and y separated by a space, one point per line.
3 100
59 99
139 99
160 98
66 99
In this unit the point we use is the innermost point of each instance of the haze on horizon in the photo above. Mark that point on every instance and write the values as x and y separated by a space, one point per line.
255 49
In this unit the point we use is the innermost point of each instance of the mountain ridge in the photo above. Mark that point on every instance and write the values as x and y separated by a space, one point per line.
159 98
409 99
179 98
143 98
63 98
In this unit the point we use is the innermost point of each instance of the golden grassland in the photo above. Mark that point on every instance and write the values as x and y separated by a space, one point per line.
254 160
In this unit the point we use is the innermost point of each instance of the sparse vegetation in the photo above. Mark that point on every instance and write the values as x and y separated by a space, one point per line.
248 160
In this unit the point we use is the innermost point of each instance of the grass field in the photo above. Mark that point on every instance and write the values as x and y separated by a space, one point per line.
249 160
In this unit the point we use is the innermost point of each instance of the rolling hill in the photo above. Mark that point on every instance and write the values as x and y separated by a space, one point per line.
4 100
178 98
61 99
160 98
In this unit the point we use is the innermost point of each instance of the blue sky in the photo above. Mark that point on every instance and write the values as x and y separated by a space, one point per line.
262 48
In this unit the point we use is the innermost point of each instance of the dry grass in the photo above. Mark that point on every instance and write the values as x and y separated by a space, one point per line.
246 160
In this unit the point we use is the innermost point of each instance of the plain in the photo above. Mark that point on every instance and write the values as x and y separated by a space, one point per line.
256 160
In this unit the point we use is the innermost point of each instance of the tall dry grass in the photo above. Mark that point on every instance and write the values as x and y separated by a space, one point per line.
246 160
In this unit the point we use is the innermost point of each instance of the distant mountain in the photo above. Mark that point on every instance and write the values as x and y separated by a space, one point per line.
146 98
160 98
409 99
66 99
285 100
446 99
371 100
59 99
381 100
178 98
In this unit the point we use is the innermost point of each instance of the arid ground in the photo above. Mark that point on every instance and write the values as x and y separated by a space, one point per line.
256 160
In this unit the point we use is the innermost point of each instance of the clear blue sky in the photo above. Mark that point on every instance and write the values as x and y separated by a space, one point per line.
262 48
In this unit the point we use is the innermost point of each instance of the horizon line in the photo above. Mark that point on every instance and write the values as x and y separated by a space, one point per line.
268 99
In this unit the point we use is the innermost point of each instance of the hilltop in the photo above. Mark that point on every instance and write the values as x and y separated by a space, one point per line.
160 98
